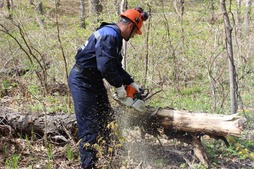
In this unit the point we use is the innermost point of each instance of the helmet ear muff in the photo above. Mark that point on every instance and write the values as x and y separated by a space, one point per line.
144 16
139 9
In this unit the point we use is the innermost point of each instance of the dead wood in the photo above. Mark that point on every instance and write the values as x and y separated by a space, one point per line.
189 127
59 125
211 124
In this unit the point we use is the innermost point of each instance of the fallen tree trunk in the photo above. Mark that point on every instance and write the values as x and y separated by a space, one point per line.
189 127
211 124
180 124
56 126
180 120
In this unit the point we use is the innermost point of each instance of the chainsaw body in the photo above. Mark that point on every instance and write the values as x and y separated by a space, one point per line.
134 98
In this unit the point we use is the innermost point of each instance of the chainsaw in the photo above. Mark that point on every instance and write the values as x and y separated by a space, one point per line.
134 98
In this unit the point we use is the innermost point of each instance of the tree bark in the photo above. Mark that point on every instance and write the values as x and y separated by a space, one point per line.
123 7
9 7
248 5
238 13
82 14
180 120
211 124
96 7
39 17
232 70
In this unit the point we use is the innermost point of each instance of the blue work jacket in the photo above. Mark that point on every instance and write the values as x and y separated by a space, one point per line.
101 53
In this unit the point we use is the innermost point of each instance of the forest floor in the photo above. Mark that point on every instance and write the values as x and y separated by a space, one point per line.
146 154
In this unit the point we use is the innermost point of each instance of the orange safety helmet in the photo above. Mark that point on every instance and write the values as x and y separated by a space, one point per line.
137 16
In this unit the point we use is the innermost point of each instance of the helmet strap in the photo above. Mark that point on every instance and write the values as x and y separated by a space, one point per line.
134 26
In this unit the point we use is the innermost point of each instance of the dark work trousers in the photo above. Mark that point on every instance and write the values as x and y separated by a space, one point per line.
93 113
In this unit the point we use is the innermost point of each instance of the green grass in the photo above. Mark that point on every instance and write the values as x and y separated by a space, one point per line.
69 153
12 162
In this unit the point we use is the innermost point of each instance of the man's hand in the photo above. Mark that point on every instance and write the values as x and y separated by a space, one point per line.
136 86
120 92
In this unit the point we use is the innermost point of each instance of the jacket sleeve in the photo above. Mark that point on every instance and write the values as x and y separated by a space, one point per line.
109 62
127 79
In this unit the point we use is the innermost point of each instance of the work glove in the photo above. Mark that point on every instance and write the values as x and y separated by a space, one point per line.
120 92
136 86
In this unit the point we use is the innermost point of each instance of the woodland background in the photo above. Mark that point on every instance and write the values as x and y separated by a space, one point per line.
182 52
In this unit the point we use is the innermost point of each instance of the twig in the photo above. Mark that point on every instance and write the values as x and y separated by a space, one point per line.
139 165
152 95
68 133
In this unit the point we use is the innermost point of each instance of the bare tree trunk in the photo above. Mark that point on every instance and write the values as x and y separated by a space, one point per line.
175 73
248 5
176 8
117 7
210 64
9 7
123 7
1 4
39 18
229 46
238 16
82 14
147 58
213 19
31 2
96 8
57 2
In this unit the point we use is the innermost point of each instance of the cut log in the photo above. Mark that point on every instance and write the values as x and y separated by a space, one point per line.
183 125
189 127
56 126
211 124
169 119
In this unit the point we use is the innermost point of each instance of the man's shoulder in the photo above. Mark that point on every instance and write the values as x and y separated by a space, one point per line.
109 29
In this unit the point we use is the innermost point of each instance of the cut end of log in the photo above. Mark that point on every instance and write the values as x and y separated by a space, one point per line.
242 123
207 123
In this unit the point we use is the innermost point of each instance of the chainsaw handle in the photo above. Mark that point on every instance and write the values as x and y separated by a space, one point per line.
143 93
131 92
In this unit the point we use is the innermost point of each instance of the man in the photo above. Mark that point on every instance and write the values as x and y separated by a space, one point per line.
100 57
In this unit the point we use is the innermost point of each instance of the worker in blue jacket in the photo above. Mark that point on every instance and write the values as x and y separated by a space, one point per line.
100 58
